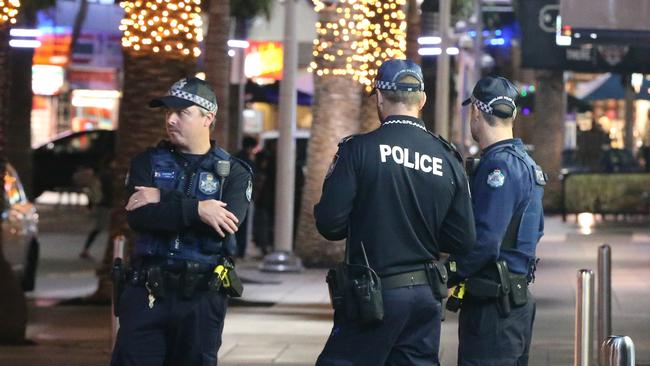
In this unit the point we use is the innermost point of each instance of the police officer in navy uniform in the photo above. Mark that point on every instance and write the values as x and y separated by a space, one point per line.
507 188
187 196
402 193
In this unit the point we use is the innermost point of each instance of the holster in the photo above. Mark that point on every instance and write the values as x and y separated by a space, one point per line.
489 288
118 277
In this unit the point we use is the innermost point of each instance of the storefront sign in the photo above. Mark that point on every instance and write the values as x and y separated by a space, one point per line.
264 60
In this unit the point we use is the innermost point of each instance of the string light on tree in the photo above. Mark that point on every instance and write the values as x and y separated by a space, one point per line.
377 29
384 37
338 30
162 26
9 11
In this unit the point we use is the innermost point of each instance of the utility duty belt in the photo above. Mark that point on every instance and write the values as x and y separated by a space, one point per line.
355 290
182 277
506 288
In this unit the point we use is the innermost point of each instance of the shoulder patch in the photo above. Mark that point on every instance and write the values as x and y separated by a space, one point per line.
249 190
496 178
540 177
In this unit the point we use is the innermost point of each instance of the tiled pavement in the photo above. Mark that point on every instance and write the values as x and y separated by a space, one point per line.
285 318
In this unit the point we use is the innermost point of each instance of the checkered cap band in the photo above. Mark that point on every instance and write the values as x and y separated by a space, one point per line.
385 85
179 93
388 85
482 106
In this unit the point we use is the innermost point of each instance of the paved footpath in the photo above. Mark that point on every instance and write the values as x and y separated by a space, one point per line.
285 318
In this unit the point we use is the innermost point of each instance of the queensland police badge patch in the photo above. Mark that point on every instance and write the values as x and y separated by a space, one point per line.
249 190
207 183
496 178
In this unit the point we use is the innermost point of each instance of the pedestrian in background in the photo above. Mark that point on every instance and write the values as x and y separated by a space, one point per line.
99 190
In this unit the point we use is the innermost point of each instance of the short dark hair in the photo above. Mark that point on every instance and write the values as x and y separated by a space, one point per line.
402 96
249 142
492 120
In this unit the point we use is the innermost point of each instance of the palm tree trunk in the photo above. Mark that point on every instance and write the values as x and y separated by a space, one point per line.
217 66
146 76
336 113
413 31
550 106
13 307
369 117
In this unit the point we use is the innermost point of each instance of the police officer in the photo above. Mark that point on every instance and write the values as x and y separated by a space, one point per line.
495 328
399 195
187 196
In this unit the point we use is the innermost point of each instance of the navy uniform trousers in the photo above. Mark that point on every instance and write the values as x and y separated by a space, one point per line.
408 335
176 331
487 339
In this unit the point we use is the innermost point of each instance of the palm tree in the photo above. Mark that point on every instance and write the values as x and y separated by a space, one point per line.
335 115
217 65
217 61
13 308
149 71
386 38
548 131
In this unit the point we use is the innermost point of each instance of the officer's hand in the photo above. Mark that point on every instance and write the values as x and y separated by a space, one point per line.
214 213
143 196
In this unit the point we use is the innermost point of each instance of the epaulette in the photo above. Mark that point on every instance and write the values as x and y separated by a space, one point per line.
243 163
449 146
347 138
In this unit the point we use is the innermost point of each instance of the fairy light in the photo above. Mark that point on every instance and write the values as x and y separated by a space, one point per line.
172 26
355 36
384 38
9 11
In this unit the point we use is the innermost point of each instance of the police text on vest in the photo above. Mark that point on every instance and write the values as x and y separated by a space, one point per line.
402 156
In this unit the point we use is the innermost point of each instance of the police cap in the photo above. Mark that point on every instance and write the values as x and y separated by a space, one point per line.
186 93
392 71
491 91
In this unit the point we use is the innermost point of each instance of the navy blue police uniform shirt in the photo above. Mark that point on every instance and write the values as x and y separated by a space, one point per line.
402 192
501 185
176 211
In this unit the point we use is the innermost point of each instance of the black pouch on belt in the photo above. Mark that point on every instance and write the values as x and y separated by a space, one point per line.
155 281
437 276
518 289
367 291
190 278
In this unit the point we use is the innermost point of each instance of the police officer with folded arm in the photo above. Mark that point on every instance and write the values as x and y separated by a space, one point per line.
497 311
187 197
399 195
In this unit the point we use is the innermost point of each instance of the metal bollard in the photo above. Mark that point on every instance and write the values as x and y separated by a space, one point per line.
604 304
617 351
118 252
583 344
